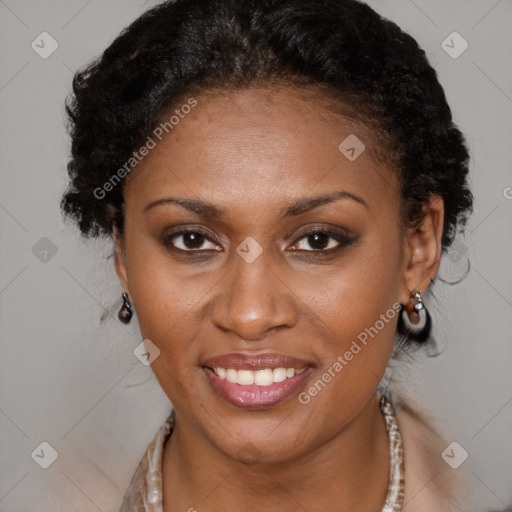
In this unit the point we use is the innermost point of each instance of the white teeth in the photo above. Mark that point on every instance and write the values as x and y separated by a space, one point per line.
232 376
264 377
279 374
245 377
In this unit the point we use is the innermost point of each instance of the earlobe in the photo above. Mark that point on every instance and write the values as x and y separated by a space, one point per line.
120 261
424 244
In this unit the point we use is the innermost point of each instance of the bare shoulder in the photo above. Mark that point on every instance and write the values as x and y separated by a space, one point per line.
430 483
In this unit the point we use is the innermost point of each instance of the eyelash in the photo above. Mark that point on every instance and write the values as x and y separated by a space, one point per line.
343 241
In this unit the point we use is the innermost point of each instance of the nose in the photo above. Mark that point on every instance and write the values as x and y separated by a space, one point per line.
253 301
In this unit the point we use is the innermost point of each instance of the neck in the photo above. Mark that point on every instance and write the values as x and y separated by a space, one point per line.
348 472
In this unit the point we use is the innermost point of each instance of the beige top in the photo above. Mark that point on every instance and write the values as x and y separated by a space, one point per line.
430 483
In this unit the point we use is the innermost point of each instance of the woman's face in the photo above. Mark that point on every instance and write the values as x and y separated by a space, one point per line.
250 283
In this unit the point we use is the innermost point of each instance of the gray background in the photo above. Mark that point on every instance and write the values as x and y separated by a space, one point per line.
69 381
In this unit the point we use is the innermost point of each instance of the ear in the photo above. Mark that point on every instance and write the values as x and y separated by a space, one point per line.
120 260
423 250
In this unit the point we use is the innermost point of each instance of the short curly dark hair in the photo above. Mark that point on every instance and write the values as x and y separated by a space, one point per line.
343 47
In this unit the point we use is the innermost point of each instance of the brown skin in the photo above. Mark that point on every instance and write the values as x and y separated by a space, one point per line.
252 152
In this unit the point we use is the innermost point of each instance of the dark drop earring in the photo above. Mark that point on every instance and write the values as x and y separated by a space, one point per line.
125 313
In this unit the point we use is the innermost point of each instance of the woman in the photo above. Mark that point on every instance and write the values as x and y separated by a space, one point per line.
280 179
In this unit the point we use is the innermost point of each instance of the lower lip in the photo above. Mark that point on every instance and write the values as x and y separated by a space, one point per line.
254 396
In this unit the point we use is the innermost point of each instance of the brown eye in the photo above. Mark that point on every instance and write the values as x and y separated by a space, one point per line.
322 241
189 241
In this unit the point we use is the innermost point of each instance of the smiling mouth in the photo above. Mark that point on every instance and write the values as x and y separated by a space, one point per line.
258 389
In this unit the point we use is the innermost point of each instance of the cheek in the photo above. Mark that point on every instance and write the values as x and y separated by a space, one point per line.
167 313
356 306
354 355
352 295
166 303
163 294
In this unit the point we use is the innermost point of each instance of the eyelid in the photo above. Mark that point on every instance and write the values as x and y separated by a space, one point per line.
321 228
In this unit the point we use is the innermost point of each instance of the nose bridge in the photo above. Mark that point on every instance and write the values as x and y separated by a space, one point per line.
254 300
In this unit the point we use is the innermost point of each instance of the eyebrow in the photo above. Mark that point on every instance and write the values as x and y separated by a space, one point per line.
298 207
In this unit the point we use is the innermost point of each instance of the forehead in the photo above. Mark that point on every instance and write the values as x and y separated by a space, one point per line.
261 146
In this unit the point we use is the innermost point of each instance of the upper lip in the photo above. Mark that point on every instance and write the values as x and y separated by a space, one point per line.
255 361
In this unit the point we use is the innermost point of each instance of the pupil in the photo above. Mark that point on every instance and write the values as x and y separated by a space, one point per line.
193 240
323 237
